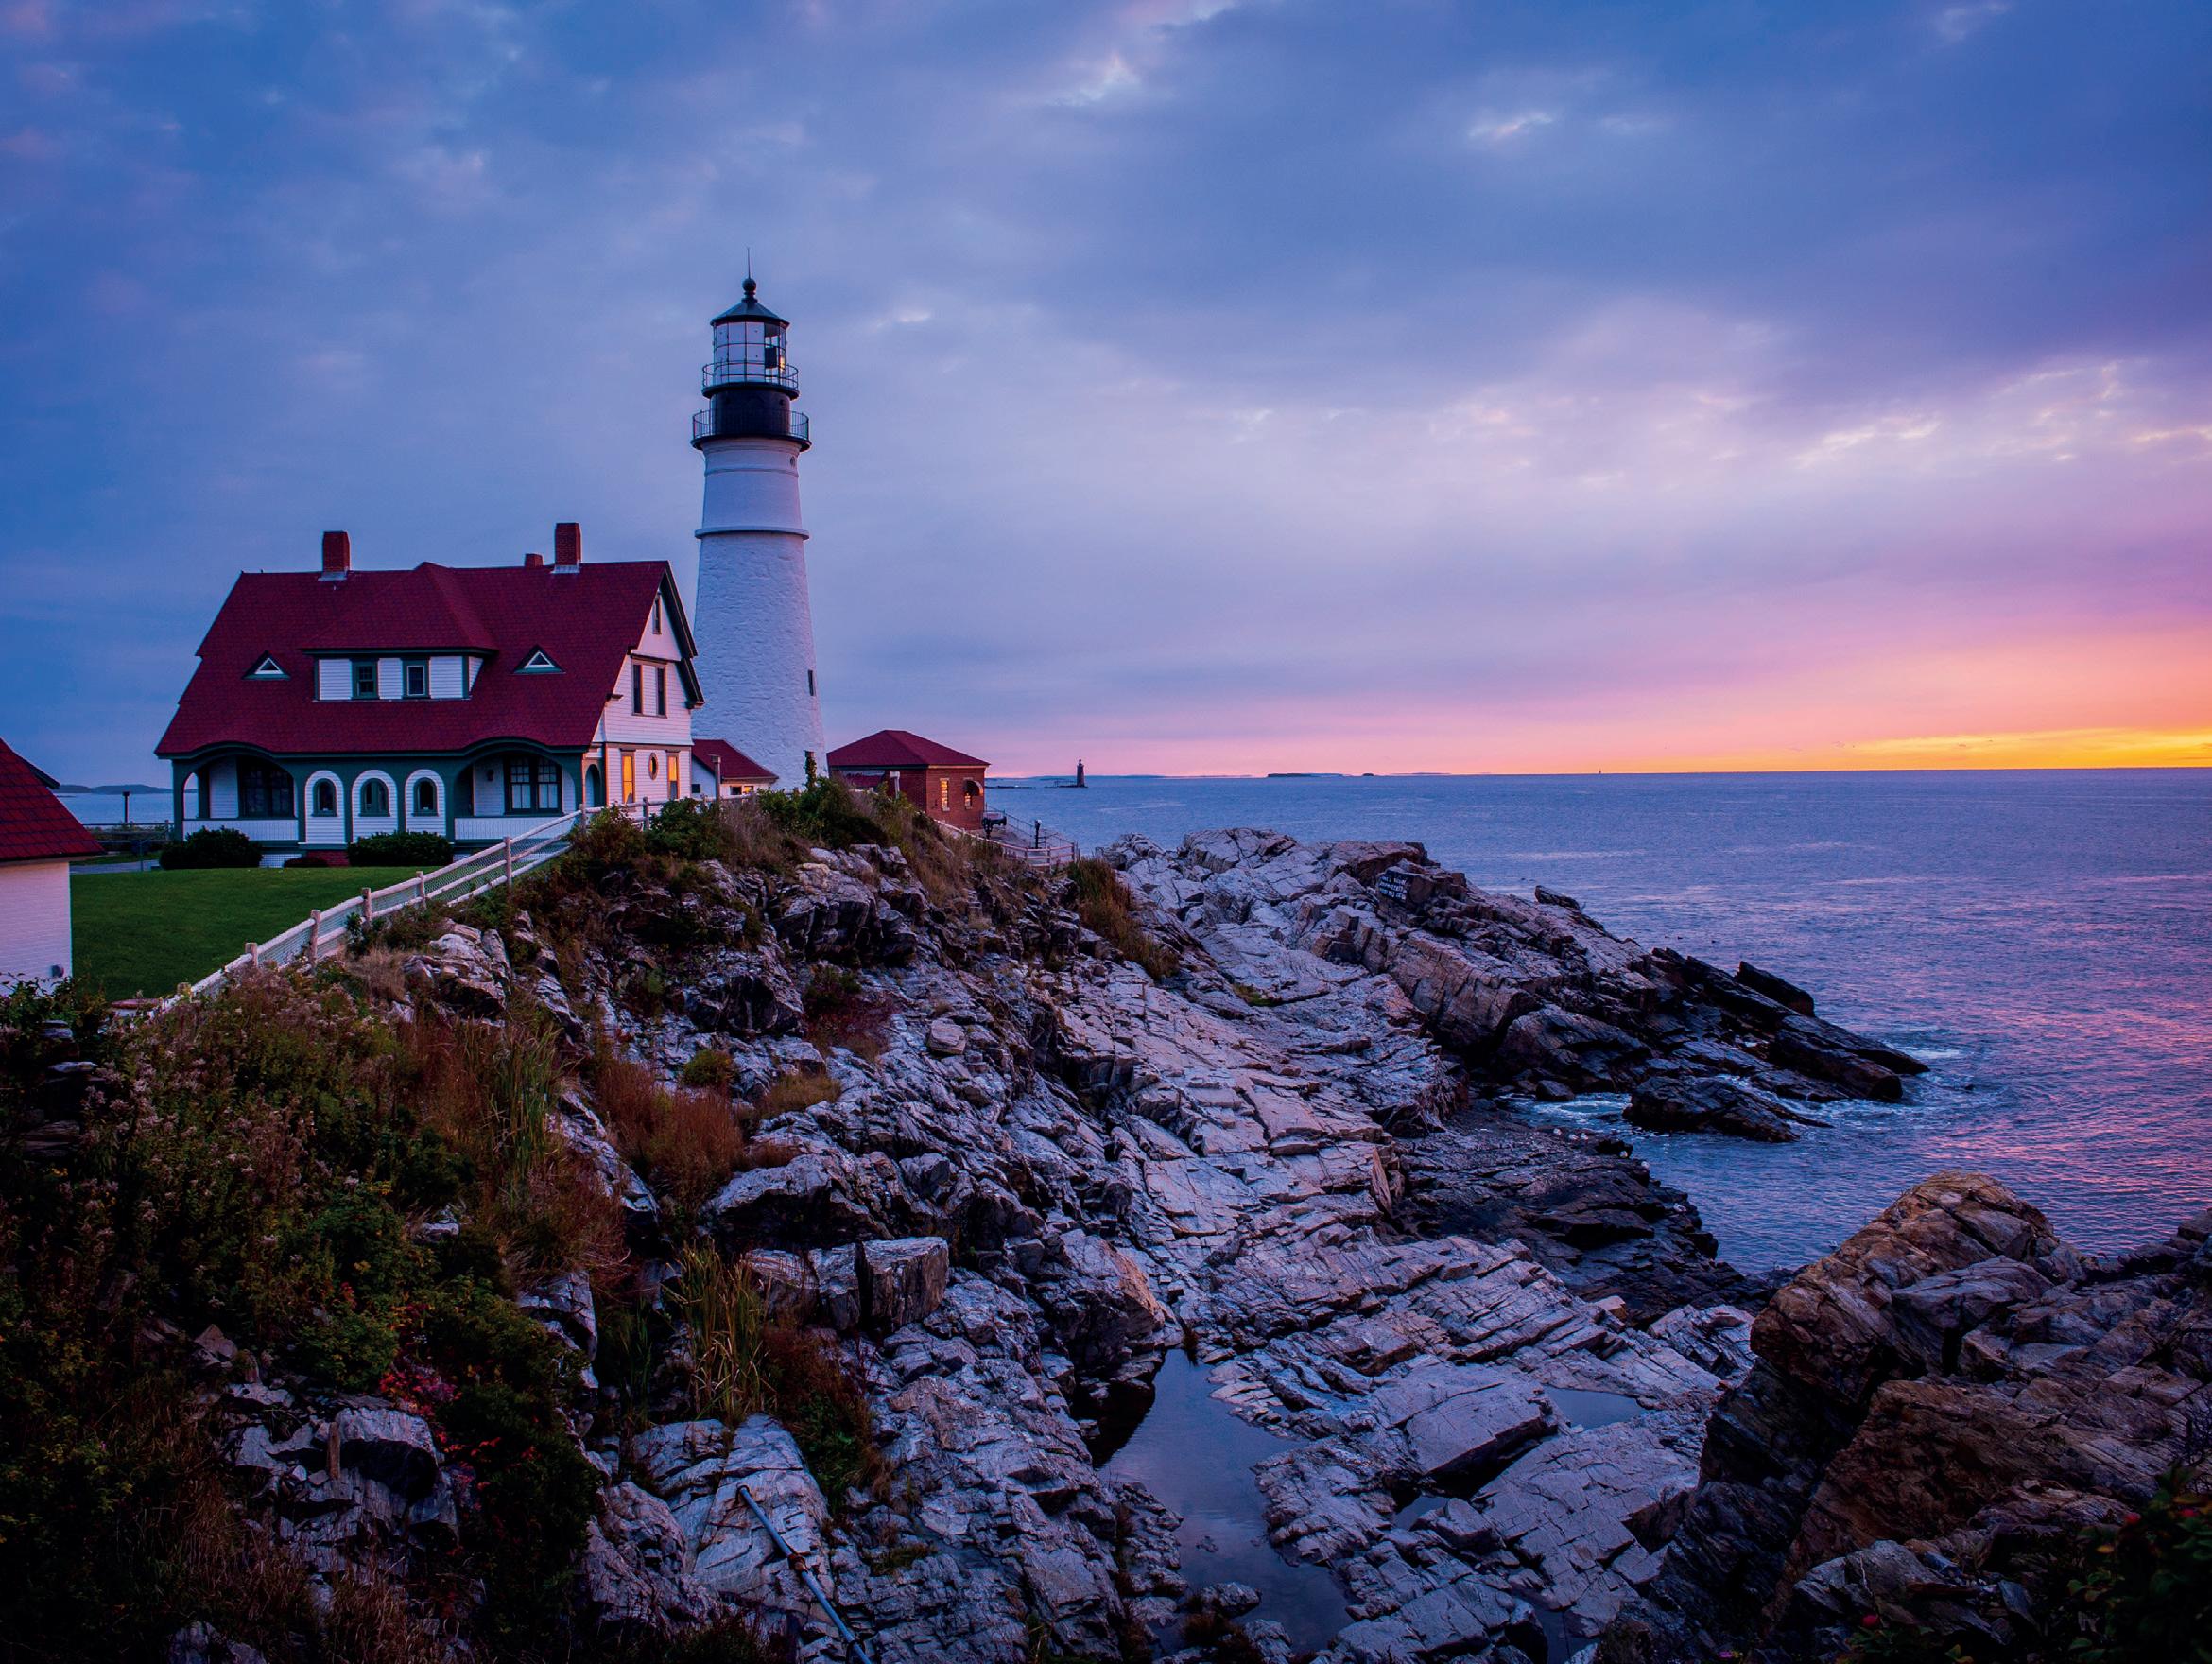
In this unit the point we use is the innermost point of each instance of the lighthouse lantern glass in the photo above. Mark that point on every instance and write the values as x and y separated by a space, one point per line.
751 350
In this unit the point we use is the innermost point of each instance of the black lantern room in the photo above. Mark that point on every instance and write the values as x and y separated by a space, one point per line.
750 383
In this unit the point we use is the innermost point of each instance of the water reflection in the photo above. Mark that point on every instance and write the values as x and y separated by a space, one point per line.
1195 1454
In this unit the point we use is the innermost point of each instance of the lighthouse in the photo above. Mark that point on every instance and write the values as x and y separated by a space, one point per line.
754 627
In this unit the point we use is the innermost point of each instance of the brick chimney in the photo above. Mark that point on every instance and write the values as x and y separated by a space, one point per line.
533 559
567 546
337 555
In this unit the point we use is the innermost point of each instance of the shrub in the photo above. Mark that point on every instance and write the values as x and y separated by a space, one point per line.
746 1363
211 846
688 1142
1106 909
710 1065
795 1089
401 849
825 813
250 1160
2146 1591
690 828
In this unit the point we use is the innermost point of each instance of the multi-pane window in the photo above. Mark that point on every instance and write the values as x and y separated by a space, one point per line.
363 678
532 784
264 792
375 800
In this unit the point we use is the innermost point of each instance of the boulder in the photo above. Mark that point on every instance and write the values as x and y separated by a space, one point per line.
636 1569
1711 1103
1567 1046
901 1281
1780 991
392 1447
704 1470
809 1199
1799 1045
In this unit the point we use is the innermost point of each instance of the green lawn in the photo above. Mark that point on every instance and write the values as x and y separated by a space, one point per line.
146 932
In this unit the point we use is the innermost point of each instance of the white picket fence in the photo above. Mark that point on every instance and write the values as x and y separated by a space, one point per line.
324 930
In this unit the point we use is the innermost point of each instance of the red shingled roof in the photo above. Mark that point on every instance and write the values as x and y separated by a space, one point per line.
33 825
894 748
586 620
729 763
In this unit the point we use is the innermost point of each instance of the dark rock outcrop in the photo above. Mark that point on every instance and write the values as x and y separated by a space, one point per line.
1934 1406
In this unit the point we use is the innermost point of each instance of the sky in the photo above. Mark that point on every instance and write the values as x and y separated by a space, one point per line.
1196 385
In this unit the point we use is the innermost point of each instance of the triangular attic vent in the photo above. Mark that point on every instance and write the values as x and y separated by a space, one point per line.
537 661
266 669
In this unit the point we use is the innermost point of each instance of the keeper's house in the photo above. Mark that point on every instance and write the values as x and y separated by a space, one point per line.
474 702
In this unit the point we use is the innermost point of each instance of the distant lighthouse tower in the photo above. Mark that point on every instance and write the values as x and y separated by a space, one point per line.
754 627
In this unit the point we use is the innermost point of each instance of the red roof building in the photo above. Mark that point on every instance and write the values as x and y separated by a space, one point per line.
948 783
38 837
469 701
719 769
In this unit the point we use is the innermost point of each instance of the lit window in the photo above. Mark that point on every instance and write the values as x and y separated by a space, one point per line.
628 776
652 765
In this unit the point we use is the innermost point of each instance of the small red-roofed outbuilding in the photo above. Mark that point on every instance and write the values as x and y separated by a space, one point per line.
38 838
946 782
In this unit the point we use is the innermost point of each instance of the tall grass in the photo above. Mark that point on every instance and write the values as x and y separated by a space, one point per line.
1103 903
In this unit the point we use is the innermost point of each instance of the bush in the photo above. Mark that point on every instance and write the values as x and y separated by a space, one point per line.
690 828
710 1066
2146 1591
746 1363
211 846
311 860
401 849
688 1142
253 1160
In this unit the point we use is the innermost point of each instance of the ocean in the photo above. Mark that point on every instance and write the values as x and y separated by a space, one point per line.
2043 940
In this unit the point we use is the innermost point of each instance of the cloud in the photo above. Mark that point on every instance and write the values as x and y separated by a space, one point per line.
1954 24
1503 130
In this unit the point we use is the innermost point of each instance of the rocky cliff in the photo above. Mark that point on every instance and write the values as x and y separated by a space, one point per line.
862 1187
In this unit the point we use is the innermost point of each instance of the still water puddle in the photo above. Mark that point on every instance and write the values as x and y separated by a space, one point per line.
1195 1454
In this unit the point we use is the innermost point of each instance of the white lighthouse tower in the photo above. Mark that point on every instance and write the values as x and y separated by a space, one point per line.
754 627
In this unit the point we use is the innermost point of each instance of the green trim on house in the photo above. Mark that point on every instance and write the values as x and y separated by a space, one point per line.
464 792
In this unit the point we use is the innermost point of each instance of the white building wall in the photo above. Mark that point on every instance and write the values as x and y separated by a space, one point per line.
222 791
333 678
34 920
445 677
754 622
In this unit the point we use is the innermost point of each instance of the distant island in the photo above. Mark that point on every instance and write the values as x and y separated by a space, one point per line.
66 791
1305 775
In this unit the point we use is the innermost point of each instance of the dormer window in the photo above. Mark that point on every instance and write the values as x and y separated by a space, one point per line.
363 678
537 664
417 678
266 669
